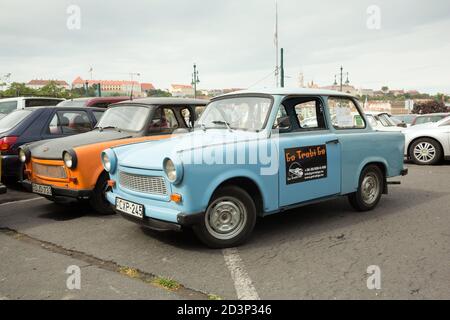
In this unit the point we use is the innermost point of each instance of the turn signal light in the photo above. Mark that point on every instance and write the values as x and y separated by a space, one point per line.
175 197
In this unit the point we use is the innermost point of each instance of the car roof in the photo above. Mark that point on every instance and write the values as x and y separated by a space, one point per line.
25 98
289 91
165 101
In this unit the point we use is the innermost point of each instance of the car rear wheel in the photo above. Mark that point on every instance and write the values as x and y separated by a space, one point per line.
369 190
98 199
229 219
425 151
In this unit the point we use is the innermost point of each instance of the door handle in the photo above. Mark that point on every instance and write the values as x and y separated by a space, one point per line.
335 141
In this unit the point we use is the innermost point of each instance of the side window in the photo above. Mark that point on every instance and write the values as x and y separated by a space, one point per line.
187 117
70 122
343 114
54 126
98 115
7 107
310 115
163 121
282 122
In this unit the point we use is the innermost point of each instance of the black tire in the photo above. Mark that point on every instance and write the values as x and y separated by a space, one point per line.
98 199
358 200
230 197
433 157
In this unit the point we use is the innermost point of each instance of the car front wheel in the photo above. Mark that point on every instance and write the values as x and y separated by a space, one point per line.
369 190
425 152
98 199
228 220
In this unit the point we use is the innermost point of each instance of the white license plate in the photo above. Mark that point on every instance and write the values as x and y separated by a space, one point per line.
134 209
41 189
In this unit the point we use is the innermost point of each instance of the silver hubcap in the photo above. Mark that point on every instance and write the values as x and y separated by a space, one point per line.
370 188
424 152
225 218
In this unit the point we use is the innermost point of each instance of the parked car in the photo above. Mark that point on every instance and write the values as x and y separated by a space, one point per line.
70 168
428 143
215 179
98 102
8 105
38 123
427 118
406 119
382 121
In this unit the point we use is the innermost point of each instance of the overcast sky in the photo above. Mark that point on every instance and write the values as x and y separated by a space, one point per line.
231 41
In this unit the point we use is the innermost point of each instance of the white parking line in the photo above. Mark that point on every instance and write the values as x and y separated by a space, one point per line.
21 201
242 282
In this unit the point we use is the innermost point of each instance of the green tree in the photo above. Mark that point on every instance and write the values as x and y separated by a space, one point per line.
429 107
158 93
18 89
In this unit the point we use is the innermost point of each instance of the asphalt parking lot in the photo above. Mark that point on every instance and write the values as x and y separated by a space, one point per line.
320 251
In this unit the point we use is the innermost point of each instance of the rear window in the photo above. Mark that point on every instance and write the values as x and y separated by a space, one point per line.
41 102
72 103
7 107
13 119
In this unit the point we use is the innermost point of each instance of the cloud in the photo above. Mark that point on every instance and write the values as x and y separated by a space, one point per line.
231 41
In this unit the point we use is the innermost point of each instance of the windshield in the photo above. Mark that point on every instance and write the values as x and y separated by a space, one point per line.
72 103
245 113
7 107
426 119
386 120
13 119
126 118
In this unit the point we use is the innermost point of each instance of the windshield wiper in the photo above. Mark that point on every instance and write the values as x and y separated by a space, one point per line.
223 123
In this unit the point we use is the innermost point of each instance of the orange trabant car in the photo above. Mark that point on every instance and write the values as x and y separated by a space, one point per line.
70 168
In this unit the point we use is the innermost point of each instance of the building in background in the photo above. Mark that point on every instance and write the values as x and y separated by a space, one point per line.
39 84
112 87
146 88
181 90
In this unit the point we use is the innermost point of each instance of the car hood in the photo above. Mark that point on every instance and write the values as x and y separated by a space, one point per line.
150 155
53 149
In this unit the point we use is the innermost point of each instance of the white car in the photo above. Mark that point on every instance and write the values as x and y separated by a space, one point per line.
381 121
8 105
428 143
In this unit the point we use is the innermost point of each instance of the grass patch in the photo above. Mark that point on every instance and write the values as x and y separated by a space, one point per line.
129 272
167 283
213 297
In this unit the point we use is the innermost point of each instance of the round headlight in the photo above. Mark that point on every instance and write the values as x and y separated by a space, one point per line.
70 159
109 161
170 170
22 156
106 162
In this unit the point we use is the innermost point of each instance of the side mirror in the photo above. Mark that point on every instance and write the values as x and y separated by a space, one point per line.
402 125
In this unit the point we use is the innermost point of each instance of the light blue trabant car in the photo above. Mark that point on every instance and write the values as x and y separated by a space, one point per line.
252 154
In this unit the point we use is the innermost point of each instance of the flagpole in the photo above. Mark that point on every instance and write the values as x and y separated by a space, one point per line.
276 44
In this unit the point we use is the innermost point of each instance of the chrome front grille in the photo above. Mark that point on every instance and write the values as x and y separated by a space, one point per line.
43 170
145 184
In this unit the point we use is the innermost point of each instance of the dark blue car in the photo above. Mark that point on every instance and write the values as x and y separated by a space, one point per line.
40 123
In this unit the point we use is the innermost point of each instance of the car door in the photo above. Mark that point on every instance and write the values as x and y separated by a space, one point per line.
310 158
355 139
